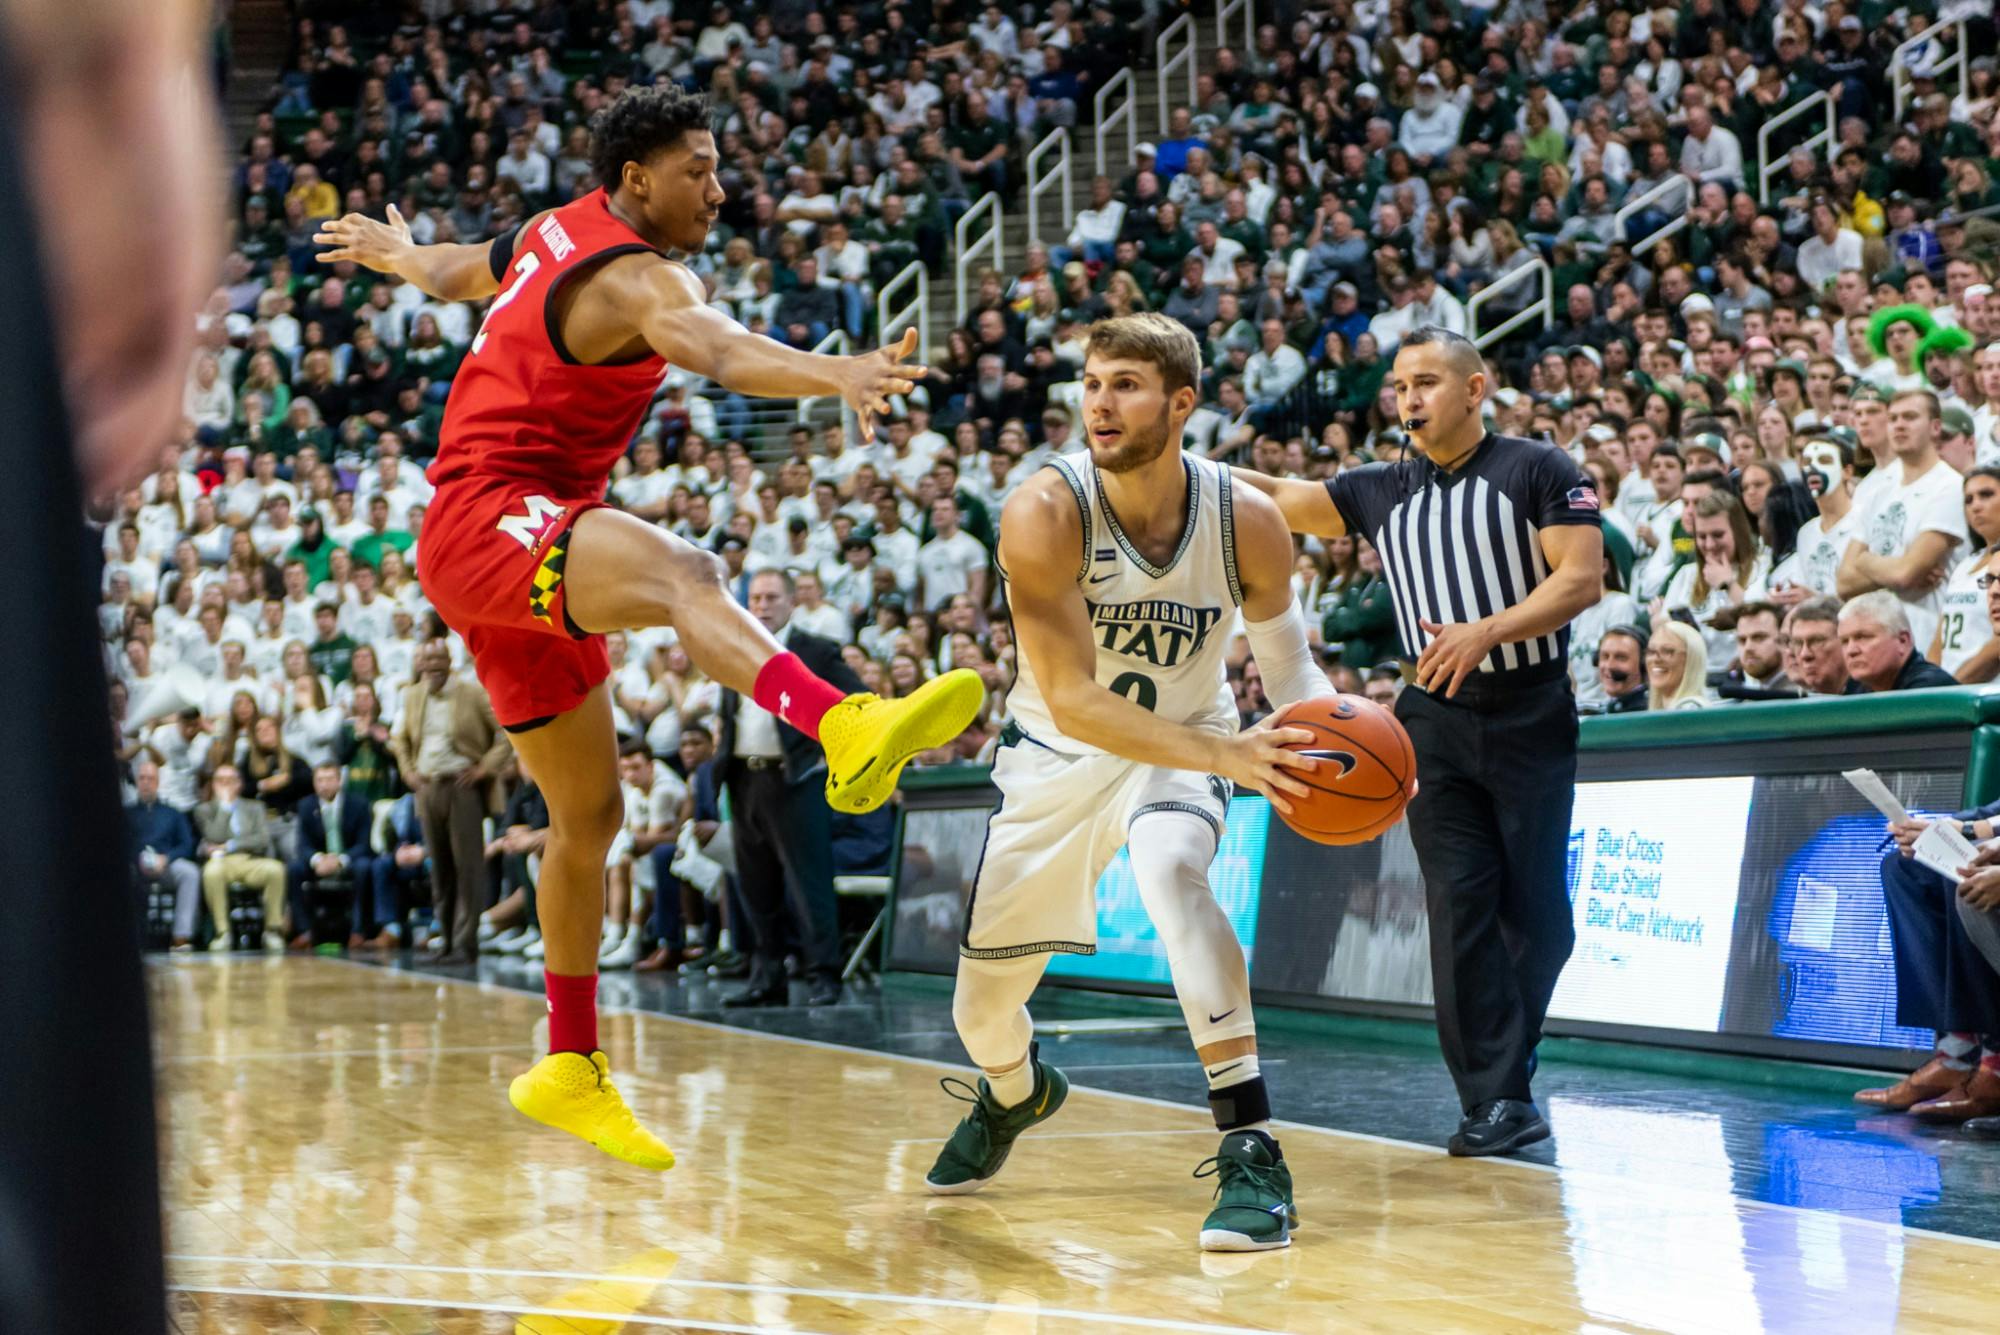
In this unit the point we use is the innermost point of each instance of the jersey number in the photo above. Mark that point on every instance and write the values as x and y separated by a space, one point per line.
1136 687
524 269
1954 630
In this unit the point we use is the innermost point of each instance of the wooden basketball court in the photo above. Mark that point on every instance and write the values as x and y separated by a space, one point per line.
339 1156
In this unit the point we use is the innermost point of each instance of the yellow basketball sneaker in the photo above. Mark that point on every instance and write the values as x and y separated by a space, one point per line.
574 1093
868 740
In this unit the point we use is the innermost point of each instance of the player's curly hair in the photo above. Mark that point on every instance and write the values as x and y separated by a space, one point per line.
642 122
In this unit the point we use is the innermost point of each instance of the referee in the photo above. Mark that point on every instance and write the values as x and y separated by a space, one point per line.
1490 545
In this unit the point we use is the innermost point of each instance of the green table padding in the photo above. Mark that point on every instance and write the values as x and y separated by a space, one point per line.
1960 709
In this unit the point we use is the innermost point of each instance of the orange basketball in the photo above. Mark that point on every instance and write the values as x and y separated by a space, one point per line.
1367 770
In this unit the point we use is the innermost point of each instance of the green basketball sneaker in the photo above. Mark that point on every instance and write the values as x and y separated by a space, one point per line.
1253 1196
985 1136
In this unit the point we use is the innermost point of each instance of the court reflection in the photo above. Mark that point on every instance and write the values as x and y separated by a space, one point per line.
1660 1237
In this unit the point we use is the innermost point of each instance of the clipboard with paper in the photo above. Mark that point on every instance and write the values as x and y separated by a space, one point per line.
1942 847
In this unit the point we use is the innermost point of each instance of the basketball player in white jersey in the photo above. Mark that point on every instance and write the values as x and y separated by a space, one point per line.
1125 566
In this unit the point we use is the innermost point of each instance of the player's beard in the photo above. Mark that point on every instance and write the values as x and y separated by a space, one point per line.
1136 447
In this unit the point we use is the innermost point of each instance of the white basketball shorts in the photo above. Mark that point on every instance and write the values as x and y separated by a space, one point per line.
1060 821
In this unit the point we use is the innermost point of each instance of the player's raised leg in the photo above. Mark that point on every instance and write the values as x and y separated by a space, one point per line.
575 758
1015 1091
1171 850
622 573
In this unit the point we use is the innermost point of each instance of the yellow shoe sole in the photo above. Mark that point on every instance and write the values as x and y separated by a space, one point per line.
868 756
520 1093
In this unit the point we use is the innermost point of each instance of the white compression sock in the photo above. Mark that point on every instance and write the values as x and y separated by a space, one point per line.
1232 1071
1014 1086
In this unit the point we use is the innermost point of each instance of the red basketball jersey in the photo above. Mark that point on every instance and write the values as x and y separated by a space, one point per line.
521 407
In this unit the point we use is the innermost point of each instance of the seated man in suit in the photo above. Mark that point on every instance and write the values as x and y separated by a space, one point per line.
398 868
1943 982
332 845
163 849
236 845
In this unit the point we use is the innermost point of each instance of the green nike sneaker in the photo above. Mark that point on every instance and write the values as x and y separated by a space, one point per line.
985 1136
1253 1196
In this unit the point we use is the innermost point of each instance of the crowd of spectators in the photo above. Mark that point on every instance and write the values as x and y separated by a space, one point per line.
1789 408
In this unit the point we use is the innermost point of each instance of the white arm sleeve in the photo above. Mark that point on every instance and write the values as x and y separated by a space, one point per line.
1279 646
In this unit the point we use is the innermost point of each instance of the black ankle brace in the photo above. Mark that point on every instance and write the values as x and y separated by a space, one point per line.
1240 1104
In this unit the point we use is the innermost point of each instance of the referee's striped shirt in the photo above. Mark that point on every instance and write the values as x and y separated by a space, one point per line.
1464 545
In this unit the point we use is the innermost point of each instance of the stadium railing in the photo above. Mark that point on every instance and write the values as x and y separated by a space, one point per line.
1638 204
1109 112
972 246
1166 66
890 320
836 344
1230 9
1819 142
1905 57
1543 306
1040 182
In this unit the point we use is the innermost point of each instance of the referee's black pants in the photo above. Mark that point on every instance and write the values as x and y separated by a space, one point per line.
784 864
1496 773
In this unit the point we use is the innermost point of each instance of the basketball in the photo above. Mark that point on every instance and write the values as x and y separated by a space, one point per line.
1367 771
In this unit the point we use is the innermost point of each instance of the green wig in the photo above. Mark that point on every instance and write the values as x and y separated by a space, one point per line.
1911 314
1946 339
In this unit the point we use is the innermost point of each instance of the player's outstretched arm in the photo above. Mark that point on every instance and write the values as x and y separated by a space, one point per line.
667 304
447 272
1271 618
1041 537
1306 506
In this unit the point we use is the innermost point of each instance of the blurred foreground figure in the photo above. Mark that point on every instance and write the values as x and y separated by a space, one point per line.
105 161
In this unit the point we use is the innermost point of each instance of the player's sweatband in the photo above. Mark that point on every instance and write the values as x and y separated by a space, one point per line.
502 254
1279 646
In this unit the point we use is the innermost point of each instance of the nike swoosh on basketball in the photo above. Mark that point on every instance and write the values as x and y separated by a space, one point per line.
1340 758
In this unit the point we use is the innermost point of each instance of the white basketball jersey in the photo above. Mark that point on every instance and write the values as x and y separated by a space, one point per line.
1161 631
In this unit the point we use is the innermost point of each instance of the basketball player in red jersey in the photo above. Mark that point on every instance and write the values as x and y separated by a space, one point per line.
524 560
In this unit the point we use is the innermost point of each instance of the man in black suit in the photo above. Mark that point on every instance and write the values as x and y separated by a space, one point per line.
332 844
783 827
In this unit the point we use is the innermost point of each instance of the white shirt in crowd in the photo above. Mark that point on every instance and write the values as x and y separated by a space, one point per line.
1099 225
1219 267
1680 593
826 621
898 551
1717 158
180 762
1815 561
1898 514
144 577
1819 262
1963 626
1269 376
946 566
656 808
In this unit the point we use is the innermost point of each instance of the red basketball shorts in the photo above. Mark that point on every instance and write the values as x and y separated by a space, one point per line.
492 564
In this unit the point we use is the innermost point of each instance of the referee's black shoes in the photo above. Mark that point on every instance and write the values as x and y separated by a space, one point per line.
1498 1126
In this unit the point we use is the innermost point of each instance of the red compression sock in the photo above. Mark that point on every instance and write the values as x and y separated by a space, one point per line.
788 688
572 1012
